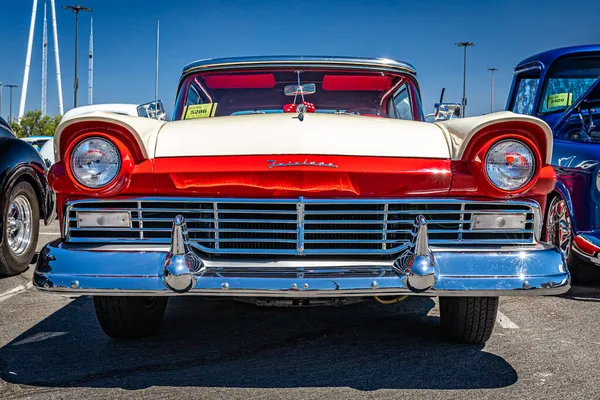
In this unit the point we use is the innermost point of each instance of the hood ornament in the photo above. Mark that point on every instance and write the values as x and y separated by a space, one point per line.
301 109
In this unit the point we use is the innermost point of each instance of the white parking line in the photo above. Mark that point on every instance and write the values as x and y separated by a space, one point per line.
50 233
505 322
13 292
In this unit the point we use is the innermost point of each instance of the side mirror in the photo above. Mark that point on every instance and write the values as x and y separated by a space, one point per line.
154 110
446 111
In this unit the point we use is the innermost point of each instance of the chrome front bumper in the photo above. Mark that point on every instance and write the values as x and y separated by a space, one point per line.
536 269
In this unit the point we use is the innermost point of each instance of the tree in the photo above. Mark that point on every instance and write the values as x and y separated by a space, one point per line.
33 124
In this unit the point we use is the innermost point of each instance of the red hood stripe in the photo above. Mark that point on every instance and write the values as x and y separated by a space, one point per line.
293 175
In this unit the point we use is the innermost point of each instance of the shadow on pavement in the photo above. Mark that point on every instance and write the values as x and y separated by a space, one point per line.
583 293
204 343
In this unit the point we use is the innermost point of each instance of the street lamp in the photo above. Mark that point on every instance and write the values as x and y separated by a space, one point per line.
10 109
0 99
76 9
492 70
464 96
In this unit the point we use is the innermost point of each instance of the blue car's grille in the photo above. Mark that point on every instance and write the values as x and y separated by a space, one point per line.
303 226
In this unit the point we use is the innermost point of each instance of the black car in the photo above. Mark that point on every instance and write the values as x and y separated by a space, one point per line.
25 199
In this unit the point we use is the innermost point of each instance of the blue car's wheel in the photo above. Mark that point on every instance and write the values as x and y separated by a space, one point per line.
559 232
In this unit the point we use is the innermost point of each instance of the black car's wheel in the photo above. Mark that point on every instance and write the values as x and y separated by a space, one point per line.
20 229
559 232
468 319
130 317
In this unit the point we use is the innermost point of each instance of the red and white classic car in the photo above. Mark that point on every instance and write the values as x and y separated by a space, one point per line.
301 181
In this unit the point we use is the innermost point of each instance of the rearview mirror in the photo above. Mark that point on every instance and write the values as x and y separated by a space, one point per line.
299 90
154 110
446 111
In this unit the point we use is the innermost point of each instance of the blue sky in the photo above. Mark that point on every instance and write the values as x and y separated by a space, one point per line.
420 32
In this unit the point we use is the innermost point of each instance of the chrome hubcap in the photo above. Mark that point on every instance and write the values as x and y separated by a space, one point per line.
559 230
19 225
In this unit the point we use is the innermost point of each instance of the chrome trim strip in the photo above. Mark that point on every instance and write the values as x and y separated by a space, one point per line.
216 222
140 220
462 222
136 246
535 65
378 64
556 291
424 200
384 231
300 223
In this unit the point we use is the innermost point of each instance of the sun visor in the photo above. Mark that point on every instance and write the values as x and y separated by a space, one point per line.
240 81
357 82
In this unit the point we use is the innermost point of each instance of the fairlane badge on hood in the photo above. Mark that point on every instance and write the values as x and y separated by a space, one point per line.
305 163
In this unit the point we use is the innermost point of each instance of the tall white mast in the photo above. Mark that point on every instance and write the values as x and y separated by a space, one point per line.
57 58
44 63
91 65
157 54
27 60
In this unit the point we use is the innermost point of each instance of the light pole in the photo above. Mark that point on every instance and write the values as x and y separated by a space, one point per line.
464 96
10 109
76 9
0 99
492 70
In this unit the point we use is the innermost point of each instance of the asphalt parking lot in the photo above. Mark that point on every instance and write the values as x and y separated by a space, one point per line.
52 348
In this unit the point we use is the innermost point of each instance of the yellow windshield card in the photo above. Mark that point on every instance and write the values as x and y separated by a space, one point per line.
200 111
559 100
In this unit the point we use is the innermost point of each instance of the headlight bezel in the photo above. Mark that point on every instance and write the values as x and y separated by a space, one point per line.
534 160
71 159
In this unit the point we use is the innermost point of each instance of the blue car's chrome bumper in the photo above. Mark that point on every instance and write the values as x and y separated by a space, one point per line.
587 246
153 271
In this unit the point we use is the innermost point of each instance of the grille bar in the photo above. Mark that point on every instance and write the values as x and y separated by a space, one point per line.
301 226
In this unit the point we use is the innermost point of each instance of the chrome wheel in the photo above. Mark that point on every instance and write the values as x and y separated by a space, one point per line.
19 225
559 230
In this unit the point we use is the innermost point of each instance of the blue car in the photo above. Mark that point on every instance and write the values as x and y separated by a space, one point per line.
562 87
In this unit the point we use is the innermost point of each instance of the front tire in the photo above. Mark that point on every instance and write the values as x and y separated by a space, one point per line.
130 317
468 319
20 229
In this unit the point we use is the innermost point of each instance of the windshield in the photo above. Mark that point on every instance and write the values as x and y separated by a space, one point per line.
567 80
207 95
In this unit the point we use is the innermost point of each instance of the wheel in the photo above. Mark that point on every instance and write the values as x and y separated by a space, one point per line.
558 227
20 229
468 319
130 317
559 232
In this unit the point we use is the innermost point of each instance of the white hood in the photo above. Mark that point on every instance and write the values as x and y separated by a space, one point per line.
318 134
326 134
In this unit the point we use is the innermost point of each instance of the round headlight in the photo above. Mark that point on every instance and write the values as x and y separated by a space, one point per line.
95 162
509 165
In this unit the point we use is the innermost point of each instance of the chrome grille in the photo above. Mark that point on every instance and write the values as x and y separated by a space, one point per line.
302 226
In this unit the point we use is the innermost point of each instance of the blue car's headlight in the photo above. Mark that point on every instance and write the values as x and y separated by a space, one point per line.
509 165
